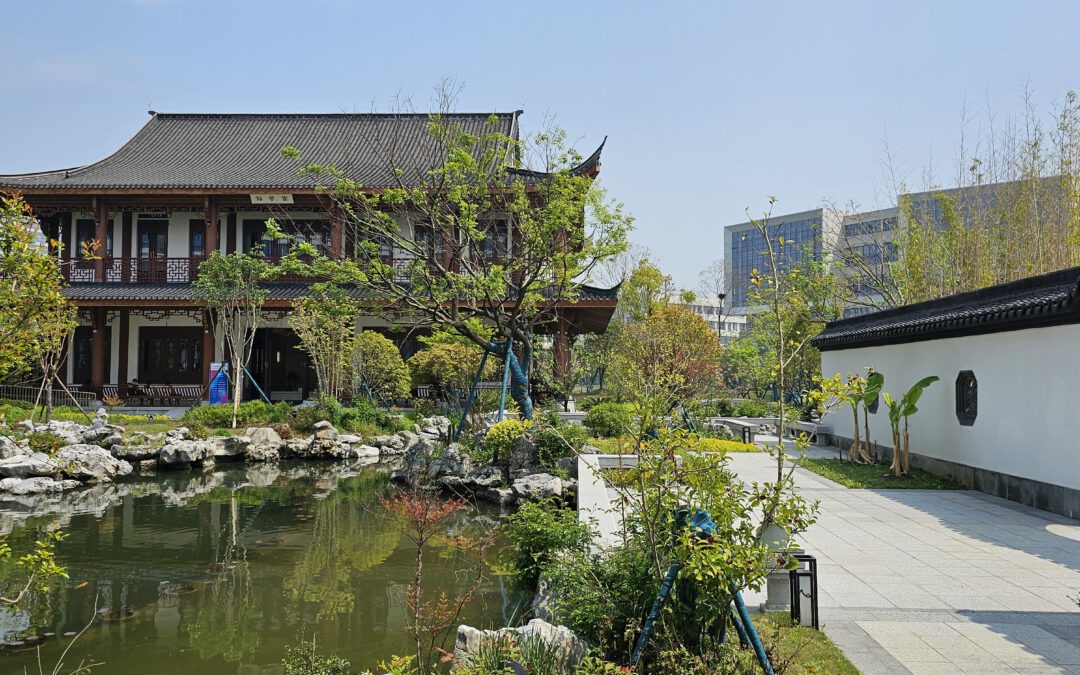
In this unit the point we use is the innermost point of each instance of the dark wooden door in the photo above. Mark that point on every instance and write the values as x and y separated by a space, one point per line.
153 250
82 352
170 355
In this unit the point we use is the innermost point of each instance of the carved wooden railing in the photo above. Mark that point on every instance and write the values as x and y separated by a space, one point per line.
133 270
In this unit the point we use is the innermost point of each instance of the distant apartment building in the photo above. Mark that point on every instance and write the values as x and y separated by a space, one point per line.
746 252
864 254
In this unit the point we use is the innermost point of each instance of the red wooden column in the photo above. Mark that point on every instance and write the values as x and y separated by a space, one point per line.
207 347
97 353
561 348
101 234
337 232
210 216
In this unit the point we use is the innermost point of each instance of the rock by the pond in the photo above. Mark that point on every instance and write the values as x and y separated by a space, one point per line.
134 453
567 648
537 486
487 476
454 462
523 456
502 496
569 465
24 426
90 462
390 444
325 431
363 452
264 438
11 448
36 485
178 453
25 466
229 447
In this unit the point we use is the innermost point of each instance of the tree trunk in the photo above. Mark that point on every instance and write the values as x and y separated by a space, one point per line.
238 385
49 377
868 451
855 453
896 458
907 450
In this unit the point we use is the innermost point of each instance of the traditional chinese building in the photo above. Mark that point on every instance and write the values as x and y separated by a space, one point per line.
187 184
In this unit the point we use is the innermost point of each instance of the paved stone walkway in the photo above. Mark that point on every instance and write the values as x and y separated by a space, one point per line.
941 581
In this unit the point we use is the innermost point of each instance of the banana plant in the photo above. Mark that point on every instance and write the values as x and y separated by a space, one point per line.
902 410
870 390
908 408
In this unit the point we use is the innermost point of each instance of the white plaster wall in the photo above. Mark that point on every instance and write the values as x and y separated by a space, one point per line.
1028 422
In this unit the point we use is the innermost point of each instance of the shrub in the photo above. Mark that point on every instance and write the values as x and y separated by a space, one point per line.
721 445
251 412
368 414
603 598
43 442
502 436
379 364
556 441
303 659
608 419
540 530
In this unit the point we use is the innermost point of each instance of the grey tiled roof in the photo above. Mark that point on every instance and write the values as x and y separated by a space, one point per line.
200 151
1045 300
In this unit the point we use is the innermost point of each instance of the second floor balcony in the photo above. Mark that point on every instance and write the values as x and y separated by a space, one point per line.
147 270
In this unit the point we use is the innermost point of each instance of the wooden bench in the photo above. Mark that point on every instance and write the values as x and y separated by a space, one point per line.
172 395
818 433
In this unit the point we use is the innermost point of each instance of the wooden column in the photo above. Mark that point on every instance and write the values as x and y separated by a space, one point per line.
101 234
561 348
210 215
122 361
97 354
207 347
337 231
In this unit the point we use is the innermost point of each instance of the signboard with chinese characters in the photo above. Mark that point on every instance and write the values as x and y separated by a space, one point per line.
219 383
271 199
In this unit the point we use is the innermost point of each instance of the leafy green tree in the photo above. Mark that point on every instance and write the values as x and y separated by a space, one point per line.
325 323
30 290
231 287
379 366
471 234
670 358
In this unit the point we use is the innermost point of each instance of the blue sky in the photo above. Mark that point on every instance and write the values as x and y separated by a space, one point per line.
709 107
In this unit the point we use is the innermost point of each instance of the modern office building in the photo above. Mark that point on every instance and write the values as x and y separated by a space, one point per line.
746 251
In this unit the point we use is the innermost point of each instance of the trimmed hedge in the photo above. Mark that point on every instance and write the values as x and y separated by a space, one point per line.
608 419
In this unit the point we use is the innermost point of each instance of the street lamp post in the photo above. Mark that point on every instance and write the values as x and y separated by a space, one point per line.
720 317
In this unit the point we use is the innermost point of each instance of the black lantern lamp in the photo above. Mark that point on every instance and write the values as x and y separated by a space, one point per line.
804 591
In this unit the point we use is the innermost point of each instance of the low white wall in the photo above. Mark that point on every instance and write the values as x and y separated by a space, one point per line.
1028 422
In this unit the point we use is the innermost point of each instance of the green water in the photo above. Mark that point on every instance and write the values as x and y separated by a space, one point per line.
218 572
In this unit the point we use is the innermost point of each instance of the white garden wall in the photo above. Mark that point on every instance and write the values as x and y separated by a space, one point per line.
1028 422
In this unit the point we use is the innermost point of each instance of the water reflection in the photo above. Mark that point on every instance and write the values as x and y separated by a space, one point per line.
213 571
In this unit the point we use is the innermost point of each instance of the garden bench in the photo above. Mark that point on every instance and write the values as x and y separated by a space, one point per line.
742 428
818 433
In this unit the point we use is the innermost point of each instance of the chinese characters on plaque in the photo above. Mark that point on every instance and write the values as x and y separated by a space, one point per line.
271 199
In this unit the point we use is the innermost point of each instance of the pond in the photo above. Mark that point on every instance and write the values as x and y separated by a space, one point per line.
219 572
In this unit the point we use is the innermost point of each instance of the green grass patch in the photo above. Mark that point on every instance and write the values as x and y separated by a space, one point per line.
876 476
796 650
